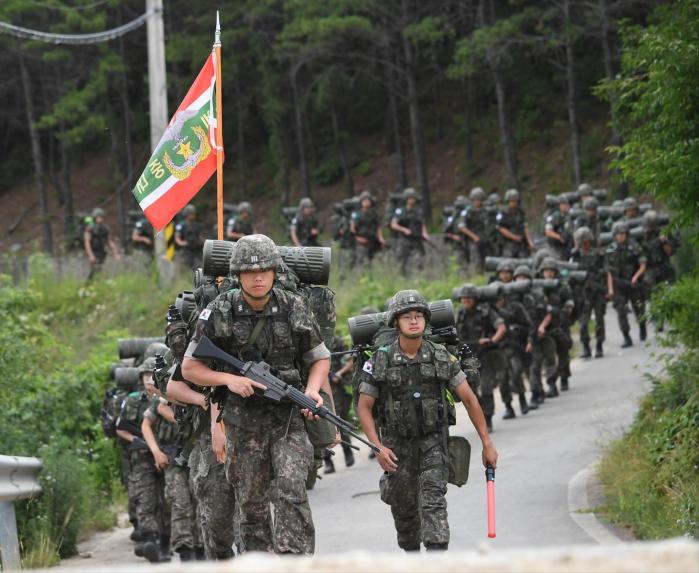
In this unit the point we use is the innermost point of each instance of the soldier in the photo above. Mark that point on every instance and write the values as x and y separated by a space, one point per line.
241 224
512 226
188 237
514 345
451 217
505 272
406 383
482 329
474 225
584 191
409 222
142 236
626 263
590 218
145 481
658 249
630 209
160 433
341 384
558 230
540 344
304 228
593 290
560 300
268 454
365 226
96 239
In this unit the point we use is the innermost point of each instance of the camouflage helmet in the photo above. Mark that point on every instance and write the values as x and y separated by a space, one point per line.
404 301
155 348
254 253
512 195
585 189
148 365
410 193
493 198
523 271
539 256
630 203
305 202
650 219
549 263
619 227
505 266
591 203
468 290
366 194
477 194
97 212
563 199
618 204
189 210
369 310
244 206
460 202
582 234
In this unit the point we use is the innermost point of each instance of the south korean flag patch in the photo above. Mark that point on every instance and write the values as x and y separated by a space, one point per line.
205 314
368 367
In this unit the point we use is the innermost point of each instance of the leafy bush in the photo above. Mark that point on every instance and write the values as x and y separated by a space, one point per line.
328 172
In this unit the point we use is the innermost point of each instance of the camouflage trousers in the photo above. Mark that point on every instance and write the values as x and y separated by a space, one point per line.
598 305
271 464
563 342
475 256
622 298
493 375
514 250
411 254
216 498
515 373
147 486
125 480
416 491
543 357
362 255
185 530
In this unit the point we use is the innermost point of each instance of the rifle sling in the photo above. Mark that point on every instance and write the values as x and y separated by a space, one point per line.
254 335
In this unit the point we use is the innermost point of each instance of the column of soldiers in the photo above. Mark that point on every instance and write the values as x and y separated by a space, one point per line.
213 468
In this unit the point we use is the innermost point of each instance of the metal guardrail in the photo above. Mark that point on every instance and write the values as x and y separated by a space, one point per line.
18 480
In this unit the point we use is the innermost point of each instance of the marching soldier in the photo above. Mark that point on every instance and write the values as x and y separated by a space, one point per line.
558 230
241 224
409 222
142 236
406 383
590 218
512 225
365 226
96 239
304 228
474 226
189 237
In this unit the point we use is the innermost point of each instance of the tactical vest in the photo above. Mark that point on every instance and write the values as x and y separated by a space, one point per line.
593 263
514 221
239 226
475 221
411 219
303 230
133 408
622 261
99 235
366 224
165 432
412 394
474 325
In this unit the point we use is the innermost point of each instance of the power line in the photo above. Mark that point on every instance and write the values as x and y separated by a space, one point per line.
93 38
68 8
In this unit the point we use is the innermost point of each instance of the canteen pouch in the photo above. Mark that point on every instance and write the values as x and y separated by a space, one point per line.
459 460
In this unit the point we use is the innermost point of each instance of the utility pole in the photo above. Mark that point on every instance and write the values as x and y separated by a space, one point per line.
157 90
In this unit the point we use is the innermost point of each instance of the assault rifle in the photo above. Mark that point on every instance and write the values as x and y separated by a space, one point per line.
275 389
138 442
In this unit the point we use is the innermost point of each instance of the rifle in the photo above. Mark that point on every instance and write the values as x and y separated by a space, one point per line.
275 389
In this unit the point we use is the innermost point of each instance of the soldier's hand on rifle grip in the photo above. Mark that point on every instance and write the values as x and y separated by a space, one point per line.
387 459
161 460
317 398
243 386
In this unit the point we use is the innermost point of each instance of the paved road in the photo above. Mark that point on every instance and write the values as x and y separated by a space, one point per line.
539 454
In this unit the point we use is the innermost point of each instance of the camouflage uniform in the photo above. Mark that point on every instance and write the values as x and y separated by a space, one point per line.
143 228
472 325
365 224
239 225
476 221
184 528
99 241
622 261
410 249
514 221
303 224
543 348
562 225
268 451
655 247
413 417
191 231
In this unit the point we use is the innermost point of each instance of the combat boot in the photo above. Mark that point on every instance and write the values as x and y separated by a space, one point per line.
224 554
489 422
200 554
147 537
186 553
644 332
523 404
349 455
436 546
627 341
564 384
586 353
136 535
552 391
329 466
509 412
532 405
599 353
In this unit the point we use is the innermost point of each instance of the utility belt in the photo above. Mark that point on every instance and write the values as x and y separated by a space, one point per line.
416 416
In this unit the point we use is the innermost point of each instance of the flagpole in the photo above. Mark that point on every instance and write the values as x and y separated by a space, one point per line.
219 131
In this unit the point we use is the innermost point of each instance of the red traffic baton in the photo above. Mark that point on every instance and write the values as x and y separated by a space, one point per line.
490 486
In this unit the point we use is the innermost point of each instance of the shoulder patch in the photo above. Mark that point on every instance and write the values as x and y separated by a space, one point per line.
205 314
398 211
498 217
368 367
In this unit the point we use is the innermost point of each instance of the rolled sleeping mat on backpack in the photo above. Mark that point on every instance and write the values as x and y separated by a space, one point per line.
364 326
127 377
492 263
311 264
545 283
577 276
186 304
135 347
289 213
600 194
216 258
516 287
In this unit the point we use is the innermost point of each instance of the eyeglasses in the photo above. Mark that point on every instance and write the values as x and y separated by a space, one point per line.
412 317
